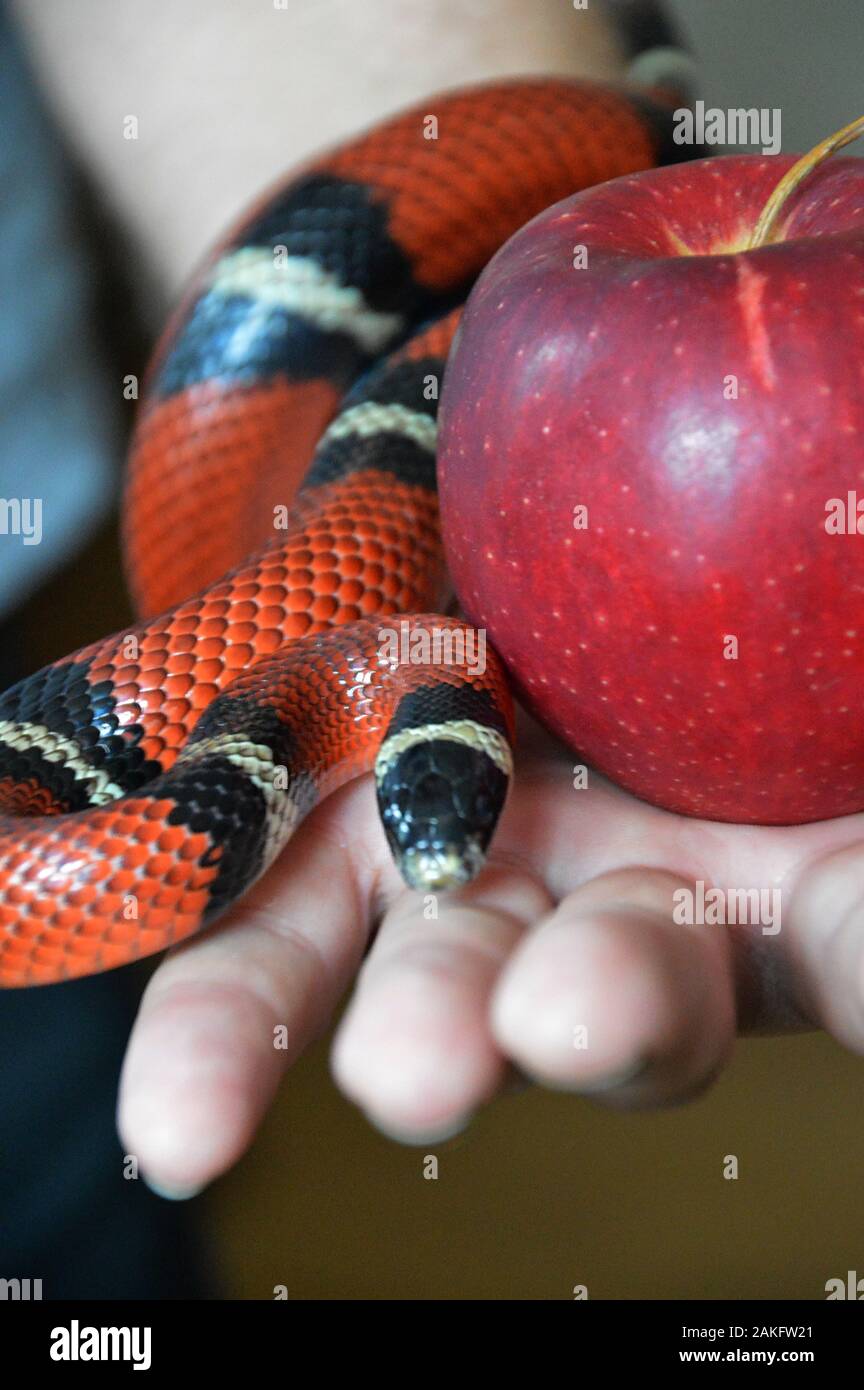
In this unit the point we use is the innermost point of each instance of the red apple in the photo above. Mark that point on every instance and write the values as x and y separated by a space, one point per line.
699 637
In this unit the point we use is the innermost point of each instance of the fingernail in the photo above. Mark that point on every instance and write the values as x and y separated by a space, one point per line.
592 1086
173 1194
437 1135
614 1079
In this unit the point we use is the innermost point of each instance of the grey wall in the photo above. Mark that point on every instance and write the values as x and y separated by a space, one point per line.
804 56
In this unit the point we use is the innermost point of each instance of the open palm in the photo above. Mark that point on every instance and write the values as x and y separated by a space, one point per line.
564 959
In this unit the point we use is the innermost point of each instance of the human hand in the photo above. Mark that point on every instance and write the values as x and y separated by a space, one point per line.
563 959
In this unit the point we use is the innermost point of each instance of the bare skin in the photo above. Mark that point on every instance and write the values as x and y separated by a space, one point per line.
571 925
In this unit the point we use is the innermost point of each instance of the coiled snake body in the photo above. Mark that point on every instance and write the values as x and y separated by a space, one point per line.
148 779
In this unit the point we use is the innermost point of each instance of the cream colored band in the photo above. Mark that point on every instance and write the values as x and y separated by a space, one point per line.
466 731
256 760
56 748
303 287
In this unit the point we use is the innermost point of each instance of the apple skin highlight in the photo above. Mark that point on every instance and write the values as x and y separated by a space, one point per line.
697 633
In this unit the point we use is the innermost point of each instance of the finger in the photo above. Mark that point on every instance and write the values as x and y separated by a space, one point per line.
824 939
225 1014
415 1049
611 995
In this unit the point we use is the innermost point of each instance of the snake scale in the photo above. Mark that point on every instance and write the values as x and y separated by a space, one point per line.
148 779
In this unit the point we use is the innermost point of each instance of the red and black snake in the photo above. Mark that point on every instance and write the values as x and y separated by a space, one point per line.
148 779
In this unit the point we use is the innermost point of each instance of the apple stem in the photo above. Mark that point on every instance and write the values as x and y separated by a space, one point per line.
764 228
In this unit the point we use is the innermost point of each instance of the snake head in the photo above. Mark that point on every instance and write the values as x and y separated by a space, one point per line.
439 800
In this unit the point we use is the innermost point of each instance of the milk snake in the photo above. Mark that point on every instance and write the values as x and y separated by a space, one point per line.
148 779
